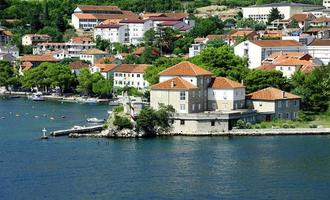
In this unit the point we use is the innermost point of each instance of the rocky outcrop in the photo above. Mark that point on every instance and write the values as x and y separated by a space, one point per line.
110 133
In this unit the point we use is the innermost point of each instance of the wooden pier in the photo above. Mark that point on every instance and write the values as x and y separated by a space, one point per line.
80 130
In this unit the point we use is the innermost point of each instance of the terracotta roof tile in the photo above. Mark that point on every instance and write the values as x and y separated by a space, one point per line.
177 15
139 51
302 17
266 67
78 65
176 83
185 68
98 8
271 94
222 82
132 68
276 43
38 58
84 16
106 67
320 42
94 51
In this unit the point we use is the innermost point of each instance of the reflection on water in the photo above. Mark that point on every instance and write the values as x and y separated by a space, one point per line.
163 168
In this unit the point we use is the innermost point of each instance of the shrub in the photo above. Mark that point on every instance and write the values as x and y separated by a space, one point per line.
240 124
285 125
118 109
248 125
312 126
305 116
292 126
257 126
263 125
122 122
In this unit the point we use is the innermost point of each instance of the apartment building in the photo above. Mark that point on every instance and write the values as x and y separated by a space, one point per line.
130 75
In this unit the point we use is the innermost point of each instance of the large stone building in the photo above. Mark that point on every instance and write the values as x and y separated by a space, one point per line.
204 104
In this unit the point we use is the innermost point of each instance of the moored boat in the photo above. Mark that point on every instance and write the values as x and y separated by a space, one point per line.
95 120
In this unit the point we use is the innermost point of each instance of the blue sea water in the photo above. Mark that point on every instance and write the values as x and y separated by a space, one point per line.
288 167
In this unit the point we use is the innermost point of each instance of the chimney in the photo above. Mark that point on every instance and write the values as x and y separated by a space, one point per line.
283 94
242 82
172 84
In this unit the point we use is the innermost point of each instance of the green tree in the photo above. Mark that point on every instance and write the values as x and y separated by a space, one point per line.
215 43
293 24
222 62
149 37
102 44
36 77
60 23
85 83
151 73
59 75
122 122
103 87
259 79
7 74
273 15
314 89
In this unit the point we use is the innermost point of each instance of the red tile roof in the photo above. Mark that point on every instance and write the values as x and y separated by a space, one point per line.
98 8
276 43
302 17
177 15
185 68
106 67
222 83
116 26
135 21
94 51
320 42
78 65
271 94
38 58
139 51
84 16
176 83
164 19
132 68
171 23
266 67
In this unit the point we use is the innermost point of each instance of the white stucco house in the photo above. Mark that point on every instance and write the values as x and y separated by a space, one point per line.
320 49
130 75
257 50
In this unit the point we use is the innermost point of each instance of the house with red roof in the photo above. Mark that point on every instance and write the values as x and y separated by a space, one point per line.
274 103
130 75
106 70
290 62
258 50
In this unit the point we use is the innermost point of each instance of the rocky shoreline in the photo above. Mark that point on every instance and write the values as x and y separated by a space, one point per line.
128 133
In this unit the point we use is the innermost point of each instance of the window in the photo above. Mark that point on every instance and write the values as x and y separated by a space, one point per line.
193 107
182 95
287 103
138 75
181 122
182 107
212 123
296 103
294 115
279 103
132 75
199 106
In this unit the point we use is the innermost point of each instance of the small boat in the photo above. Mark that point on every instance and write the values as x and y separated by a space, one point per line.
114 103
95 120
37 97
88 100
109 112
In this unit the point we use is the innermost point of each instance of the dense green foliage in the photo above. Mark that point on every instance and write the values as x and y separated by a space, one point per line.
8 76
122 122
47 76
151 121
151 73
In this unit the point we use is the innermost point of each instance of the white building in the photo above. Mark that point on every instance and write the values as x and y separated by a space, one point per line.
225 94
88 16
106 70
111 32
256 51
32 39
130 75
261 12
320 49
74 47
135 30
92 55
12 50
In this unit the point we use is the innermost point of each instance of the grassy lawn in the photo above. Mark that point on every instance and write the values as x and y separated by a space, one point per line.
322 120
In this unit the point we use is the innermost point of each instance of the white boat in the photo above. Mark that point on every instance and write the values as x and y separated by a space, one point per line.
109 112
37 97
88 100
95 120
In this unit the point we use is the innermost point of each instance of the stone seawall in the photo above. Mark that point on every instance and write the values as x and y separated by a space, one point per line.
261 132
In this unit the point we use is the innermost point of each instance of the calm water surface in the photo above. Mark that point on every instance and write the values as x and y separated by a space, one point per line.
291 167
